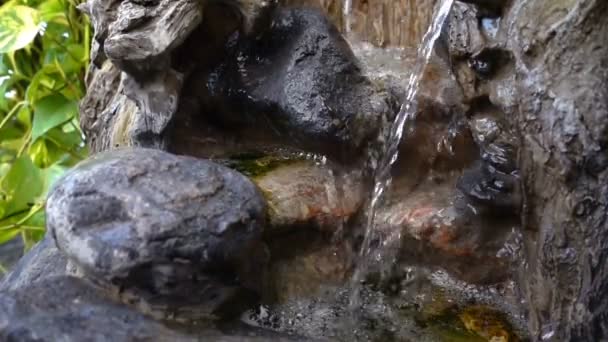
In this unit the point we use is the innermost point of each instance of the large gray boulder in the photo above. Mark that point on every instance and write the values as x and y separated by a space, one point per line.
173 234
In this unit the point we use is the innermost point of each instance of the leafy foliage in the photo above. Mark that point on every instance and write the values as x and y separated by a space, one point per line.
44 49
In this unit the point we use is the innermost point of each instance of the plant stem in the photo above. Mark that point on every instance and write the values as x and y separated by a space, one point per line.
11 113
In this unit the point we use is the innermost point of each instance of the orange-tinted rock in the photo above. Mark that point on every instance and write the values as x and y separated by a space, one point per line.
305 193
434 226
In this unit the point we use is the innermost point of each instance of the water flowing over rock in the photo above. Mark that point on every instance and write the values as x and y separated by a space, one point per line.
541 65
263 138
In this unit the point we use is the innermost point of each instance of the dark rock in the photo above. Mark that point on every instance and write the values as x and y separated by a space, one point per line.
491 8
490 191
174 233
298 82
488 62
43 261
64 308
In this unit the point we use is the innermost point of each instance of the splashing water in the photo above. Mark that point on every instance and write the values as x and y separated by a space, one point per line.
406 116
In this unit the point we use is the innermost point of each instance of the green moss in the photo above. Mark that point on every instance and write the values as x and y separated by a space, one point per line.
256 164
448 327
473 324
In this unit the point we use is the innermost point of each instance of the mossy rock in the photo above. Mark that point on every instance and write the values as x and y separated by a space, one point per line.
256 164
487 323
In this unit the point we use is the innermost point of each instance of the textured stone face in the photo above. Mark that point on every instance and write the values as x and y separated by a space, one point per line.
68 309
542 71
133 89
65 308
299 82
43 261
303 194
161 225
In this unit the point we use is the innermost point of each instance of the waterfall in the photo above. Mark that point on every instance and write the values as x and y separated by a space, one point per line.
403 120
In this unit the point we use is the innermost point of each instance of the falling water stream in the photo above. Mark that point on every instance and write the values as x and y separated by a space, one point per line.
403 120
362 311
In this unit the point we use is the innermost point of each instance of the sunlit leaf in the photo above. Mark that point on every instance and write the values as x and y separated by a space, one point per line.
21 186
51 9
51 175
3 67
5 83
51 112
24 117
19 25
8 235
42 83
69 140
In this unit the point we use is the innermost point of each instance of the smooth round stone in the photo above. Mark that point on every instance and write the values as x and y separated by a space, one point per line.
175 231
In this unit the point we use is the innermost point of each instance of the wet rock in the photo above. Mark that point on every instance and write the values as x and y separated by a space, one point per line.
488 62
43 261
492 184
298 82
491 8
390 69
304 193
549 95
304 264
490 191
434 226
173 233
463 34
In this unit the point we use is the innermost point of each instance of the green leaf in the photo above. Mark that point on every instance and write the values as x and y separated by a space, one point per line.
69 56
50 176
9 234
19 25
61 137
50 9
50 112
24 117
20 187
39 153
42 83
5 83
3 67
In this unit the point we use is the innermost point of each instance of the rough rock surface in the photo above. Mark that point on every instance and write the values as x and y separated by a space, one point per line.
68 309
10 252
298 82
43 261
304 194
545 69
131 70
434 226
176 231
